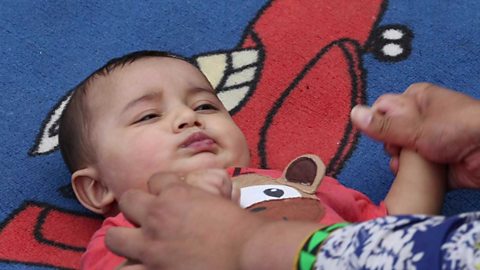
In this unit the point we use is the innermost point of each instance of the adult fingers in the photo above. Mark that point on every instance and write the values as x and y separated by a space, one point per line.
388 102
371 122
133 204
421 88
131 265
125 242
393 126
160 181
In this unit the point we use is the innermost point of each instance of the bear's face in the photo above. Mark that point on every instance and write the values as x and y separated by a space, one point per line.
290 197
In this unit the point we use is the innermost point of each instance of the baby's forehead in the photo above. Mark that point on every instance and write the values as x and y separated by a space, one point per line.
159 66
110 86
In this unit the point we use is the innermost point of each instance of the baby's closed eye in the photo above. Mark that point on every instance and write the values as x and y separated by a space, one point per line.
205 107
147 117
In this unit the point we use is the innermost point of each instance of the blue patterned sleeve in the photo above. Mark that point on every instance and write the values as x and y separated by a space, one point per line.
405 242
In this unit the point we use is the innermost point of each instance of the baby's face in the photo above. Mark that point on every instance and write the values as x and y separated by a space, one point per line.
159 115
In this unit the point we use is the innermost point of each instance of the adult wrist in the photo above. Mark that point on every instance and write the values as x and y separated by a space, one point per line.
275 244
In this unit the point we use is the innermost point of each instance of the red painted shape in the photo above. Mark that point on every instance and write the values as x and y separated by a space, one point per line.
291 33
64 228
314 117
58 240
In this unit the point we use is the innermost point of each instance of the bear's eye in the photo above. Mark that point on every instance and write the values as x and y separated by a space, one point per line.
274 192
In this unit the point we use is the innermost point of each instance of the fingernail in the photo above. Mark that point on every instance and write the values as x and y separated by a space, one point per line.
362 116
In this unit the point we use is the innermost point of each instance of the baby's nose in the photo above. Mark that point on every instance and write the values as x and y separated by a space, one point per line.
187 118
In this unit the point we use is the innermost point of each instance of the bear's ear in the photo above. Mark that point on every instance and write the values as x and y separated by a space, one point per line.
305 173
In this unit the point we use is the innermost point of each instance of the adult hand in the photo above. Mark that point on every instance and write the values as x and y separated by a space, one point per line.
443 126
183 227
176 228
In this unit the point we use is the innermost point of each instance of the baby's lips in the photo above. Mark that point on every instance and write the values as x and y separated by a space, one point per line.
196 137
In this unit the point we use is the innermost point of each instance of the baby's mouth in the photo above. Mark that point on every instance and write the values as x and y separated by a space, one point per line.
199 142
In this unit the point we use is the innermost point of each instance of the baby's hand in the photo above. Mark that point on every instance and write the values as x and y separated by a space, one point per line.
216 181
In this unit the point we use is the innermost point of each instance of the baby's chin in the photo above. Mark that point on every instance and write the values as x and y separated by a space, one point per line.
210 161
243 162
202 163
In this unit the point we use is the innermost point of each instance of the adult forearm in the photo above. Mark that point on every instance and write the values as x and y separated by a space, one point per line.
275 245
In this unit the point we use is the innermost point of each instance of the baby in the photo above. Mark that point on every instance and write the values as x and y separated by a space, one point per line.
150 112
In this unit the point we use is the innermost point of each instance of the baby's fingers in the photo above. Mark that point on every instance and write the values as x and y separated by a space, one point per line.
394 152
215 181
394 163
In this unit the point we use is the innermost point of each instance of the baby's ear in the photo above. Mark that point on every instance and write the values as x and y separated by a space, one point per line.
91 192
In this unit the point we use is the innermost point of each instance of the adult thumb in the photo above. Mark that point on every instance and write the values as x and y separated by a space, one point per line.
376 125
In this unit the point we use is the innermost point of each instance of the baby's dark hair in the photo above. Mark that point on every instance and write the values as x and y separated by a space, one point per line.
73 137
